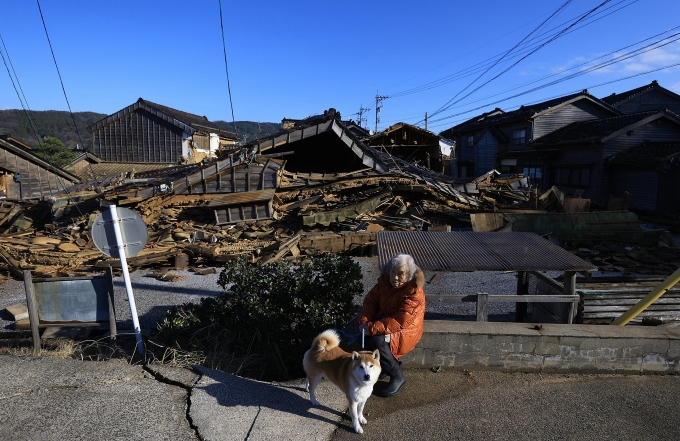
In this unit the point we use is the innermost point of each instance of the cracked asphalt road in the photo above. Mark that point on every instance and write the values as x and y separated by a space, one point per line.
48 399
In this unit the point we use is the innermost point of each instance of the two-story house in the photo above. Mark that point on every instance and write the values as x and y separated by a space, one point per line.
597 158
500 140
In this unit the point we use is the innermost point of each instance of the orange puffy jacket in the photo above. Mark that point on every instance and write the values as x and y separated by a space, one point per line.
399 312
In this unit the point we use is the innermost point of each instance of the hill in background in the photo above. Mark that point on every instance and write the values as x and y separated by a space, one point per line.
59 124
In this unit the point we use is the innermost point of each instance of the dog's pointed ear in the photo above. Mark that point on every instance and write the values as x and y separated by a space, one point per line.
376 354
355 355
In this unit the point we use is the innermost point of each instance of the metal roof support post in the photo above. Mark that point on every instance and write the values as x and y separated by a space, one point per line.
522 289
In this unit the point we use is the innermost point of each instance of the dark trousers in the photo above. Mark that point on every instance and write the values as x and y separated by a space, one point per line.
388 364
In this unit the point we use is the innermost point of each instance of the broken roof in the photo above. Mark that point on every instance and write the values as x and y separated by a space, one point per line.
617 98
187 122
336 139
529 111
12 140
401 125
22 153
602 129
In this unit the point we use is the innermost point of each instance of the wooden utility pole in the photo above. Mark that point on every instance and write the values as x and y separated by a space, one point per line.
425 120
378 105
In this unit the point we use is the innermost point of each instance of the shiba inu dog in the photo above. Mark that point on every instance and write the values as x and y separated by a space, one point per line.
355 373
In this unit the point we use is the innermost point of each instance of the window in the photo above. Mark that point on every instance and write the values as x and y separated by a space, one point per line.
470 141
533 172
519 136
573 176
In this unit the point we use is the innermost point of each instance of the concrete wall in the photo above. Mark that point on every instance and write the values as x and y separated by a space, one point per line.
554 348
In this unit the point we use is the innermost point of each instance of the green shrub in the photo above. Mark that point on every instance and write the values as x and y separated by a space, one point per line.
263 323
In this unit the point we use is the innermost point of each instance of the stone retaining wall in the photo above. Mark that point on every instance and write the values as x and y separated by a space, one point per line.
554 348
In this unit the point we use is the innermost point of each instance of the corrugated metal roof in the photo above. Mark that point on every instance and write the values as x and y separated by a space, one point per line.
478 251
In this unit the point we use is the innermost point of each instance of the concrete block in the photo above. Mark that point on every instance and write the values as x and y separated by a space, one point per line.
18 311
548 346
673 349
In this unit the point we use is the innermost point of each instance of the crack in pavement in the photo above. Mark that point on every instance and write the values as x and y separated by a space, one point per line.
259 409
163 379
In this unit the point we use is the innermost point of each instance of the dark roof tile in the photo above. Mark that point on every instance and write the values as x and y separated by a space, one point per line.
647 153
593 129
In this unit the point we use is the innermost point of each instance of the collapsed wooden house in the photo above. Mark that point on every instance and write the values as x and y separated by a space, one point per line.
25 176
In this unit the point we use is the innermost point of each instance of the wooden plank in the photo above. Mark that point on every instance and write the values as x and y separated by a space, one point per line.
630 302
625 308
632 295
32 312
522 289
610 315
502 298
482 306
112 308
569 285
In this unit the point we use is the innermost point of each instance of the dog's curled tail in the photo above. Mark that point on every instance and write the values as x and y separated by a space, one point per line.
326 341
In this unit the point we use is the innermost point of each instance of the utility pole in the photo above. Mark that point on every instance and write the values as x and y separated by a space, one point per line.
362 120
378 105
425 120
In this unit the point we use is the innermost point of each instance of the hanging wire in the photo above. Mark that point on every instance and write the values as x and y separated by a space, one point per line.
62 86
32 124
226 67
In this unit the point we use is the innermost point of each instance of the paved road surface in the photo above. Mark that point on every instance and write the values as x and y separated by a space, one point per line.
517 406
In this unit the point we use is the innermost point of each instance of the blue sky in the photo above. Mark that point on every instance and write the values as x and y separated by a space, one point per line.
295 59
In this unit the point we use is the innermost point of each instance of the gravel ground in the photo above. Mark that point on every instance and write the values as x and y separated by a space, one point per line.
153 297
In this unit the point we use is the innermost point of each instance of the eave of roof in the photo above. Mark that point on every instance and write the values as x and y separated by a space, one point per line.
34 159
400 125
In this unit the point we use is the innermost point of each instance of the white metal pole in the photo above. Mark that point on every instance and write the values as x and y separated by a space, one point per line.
126 277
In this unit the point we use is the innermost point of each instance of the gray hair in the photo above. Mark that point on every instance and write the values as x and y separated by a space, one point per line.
399 260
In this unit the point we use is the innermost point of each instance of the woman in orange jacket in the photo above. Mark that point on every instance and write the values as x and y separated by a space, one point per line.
392 317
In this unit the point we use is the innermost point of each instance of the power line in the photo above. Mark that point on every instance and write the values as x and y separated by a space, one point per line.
653 46
62 85
569 93
564 5
226 67
589 61
530 44
32 124
555 37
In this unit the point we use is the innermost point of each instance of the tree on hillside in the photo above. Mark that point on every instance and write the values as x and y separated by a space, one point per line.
54 151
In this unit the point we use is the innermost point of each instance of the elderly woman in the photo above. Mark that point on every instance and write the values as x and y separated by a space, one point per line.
392 317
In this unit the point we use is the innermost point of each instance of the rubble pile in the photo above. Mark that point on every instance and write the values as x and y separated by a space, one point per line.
609 257
337 214
312 188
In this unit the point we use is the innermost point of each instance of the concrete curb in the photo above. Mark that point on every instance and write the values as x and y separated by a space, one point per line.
552 348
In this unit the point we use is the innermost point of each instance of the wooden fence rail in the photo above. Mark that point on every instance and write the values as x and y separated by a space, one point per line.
483 299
